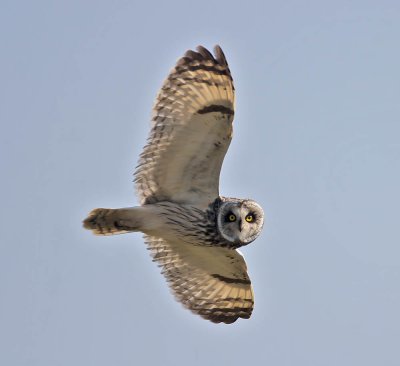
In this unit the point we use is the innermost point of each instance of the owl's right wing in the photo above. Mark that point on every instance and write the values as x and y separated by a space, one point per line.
191 132
210 281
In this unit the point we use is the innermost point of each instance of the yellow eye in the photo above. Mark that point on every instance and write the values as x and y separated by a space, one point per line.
232 218
249 218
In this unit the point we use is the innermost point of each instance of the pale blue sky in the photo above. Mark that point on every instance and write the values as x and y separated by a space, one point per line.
317 143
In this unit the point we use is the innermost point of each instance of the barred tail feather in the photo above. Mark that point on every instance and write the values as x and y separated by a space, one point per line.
107 221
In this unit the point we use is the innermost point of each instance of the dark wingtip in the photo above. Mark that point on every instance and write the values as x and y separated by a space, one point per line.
220 56
193 55
204 54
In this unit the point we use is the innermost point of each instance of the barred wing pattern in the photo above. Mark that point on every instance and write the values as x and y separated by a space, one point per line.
210 281
191 132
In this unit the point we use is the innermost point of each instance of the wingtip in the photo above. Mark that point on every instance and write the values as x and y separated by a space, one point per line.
203 53
219 55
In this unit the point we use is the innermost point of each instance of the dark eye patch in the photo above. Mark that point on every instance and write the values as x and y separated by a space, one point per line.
251 217
230 217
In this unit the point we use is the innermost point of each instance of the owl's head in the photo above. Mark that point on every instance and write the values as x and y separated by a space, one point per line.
240 221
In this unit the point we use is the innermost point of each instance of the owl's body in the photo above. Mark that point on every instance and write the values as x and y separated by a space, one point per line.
191 231
184 223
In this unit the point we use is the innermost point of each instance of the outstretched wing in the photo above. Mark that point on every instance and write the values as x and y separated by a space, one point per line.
191 132
210 281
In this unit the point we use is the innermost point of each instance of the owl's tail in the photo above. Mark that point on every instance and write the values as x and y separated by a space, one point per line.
107 221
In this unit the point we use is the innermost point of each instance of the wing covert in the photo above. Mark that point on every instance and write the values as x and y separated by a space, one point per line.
190 133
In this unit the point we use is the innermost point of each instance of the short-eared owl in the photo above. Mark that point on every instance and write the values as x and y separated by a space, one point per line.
191 231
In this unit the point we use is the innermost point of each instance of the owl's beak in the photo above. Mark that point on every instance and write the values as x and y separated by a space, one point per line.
240 225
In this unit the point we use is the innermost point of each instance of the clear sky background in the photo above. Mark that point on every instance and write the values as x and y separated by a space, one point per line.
317 143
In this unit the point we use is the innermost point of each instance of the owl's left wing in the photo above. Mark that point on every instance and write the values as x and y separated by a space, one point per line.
210 281
191 132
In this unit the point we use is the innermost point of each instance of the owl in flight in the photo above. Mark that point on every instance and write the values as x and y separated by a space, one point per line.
191 231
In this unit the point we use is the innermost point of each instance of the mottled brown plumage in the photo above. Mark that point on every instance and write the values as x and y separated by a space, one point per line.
184 154
191 231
